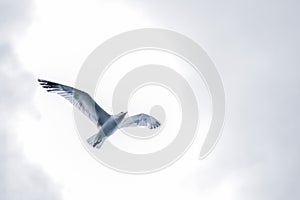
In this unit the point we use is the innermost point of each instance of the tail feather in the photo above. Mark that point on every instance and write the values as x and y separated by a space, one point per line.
96 140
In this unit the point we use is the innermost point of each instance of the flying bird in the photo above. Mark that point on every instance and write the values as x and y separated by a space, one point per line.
107 124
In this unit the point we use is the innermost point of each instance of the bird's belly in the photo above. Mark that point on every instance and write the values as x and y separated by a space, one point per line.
109 127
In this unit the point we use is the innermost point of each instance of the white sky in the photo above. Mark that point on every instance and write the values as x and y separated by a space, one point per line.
54 47
253 44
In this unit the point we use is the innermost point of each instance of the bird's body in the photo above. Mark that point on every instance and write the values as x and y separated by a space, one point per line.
107 124
111 125
107 129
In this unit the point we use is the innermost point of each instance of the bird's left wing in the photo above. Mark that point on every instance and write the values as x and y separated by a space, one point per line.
81 100
140 120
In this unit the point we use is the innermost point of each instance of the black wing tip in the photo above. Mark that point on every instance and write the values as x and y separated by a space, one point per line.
156 125
43 81
50 86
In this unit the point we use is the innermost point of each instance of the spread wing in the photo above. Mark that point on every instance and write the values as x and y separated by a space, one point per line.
140 120
81 100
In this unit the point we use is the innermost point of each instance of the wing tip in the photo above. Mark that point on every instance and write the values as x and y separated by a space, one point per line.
48 85
155 125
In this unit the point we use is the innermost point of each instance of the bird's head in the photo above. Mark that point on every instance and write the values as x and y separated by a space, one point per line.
120 116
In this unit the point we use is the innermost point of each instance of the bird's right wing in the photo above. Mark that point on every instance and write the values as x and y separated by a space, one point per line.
79 99
140 120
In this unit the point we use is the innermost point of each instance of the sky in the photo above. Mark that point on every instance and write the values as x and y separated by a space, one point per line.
20 179
254 46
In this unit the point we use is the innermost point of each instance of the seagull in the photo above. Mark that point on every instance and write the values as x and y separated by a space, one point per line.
107 124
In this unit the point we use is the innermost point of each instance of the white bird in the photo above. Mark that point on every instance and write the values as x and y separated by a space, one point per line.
107 124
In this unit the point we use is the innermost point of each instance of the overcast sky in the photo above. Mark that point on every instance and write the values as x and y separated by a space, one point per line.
254 46
20 179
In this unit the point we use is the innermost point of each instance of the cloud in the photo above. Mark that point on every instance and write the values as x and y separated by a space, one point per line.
20 179
254 45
